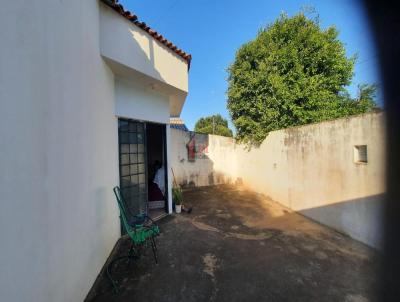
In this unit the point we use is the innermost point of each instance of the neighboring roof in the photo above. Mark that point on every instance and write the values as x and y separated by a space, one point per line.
134 19
177 123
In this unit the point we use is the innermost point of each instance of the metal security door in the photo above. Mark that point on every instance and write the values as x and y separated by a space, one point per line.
132 165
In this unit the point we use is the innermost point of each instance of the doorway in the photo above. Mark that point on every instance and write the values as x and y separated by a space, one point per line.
142 167
157 170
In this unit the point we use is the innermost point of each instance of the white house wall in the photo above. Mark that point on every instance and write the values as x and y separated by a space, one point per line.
169 166
136 102
124 42
140 103
59 148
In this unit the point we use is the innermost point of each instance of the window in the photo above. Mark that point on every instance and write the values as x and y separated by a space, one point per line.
360 154
132 168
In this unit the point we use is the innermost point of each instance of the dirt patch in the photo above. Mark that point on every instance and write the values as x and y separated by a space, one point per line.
206 227
321 255
358 252
262 212
210 264
260 236
355 298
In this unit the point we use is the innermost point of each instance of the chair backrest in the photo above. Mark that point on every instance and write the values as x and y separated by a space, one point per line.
137 232
118 195
122 209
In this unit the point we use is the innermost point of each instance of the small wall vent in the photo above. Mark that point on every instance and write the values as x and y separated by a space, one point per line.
360 154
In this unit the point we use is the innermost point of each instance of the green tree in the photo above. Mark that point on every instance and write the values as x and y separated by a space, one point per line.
293 73
214 124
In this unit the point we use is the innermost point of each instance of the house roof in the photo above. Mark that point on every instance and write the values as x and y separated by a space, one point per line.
157 36
178 123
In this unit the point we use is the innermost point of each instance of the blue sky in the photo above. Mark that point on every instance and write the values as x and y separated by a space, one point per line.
212 31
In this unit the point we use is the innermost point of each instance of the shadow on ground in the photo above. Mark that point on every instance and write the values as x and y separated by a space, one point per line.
237 245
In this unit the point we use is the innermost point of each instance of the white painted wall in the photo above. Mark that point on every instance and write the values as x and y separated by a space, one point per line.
309 169
124 42
169 165
58 220
125 46
143 104
134 101
216 165
59 149
188 173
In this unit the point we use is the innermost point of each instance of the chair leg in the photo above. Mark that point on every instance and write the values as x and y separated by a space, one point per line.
114 283
154 240
109 276
132 254
131 250
154 248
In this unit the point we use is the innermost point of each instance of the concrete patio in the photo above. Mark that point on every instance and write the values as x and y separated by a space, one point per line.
237 245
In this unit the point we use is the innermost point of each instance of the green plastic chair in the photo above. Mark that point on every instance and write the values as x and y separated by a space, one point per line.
140 228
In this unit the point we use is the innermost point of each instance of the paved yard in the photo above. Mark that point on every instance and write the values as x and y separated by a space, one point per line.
240 246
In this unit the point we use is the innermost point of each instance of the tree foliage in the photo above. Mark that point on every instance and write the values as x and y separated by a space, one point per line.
214 124
293 73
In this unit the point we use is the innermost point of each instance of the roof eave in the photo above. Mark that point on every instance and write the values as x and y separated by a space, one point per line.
142 25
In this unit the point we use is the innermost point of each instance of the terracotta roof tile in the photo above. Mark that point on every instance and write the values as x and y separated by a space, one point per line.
134 19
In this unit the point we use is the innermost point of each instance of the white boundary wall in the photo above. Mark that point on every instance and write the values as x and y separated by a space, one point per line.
309 169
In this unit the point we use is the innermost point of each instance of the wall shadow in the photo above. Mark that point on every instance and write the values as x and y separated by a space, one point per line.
257 217
360 218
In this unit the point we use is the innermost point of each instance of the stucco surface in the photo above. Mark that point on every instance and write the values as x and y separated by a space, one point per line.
138 102
59 151
133 53
124 42
59 147
309 169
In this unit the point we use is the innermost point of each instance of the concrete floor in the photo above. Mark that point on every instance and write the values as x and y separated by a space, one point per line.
237 245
